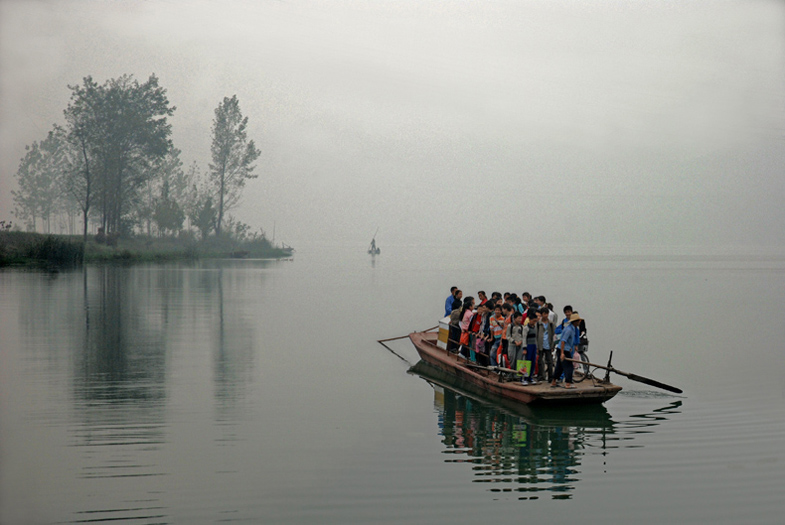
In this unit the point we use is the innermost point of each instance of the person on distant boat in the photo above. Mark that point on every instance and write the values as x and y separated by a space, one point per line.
515 339
567 345
466 314
530 352
544 345
448 303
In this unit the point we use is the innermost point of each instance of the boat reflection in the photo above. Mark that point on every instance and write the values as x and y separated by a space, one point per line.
528 451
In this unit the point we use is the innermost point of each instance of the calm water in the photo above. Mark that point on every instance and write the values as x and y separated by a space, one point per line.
254 392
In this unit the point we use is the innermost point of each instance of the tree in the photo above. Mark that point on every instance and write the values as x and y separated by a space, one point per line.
189 196
27 179
167 179
178 179
168 215
84 132
233 156
120 128
204 215
38 176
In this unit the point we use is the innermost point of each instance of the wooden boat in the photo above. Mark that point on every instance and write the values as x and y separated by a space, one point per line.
592 415
506 386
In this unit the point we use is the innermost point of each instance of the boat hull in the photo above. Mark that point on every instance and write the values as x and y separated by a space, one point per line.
491 384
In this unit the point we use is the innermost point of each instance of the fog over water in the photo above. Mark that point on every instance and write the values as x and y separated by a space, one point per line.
625 123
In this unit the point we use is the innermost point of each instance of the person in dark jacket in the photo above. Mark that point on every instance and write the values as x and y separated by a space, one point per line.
457 302
454 334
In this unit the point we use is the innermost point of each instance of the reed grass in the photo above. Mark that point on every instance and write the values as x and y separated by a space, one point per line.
38 249
35 249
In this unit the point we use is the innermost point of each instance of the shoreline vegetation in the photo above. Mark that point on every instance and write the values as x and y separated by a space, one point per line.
27 249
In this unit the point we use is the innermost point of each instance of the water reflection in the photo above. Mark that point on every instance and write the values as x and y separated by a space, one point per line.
233 357
123 358
120 391
132 322
524 450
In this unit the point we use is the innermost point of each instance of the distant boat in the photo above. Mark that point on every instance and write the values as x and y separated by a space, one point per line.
373 249
287 250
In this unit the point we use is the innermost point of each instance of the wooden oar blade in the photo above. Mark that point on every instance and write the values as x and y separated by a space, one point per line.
654 383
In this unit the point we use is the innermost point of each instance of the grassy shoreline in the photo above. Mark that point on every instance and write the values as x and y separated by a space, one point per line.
37 249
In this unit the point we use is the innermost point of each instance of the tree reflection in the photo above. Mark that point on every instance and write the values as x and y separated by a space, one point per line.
123 356
233 334
231 329
233 359
525 450
119 392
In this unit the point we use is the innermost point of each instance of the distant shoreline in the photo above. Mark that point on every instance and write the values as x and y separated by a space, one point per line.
28 249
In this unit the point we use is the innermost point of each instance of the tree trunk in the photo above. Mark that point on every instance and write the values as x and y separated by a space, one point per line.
221 202
86 207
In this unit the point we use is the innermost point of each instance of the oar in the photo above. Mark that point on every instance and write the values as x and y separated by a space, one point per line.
634 377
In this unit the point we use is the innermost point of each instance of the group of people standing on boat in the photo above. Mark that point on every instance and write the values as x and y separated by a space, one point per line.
513 332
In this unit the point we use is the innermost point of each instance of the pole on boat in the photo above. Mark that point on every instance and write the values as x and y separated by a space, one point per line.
608 371
404 336
382 341
399 356
396 354
634 377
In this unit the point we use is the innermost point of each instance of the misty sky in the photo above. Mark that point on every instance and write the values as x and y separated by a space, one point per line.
616 122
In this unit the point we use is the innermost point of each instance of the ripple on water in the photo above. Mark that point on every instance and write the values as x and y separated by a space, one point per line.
121 441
